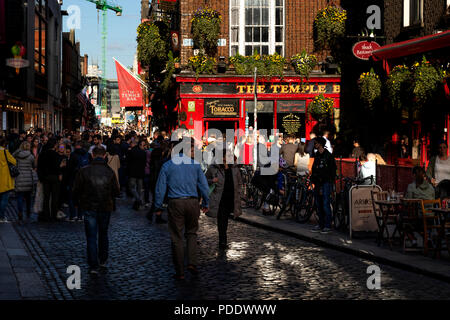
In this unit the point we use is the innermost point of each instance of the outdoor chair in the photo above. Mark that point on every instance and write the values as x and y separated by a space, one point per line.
383 216
410 220
430 222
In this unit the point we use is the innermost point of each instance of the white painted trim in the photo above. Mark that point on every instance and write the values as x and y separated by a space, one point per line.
406 12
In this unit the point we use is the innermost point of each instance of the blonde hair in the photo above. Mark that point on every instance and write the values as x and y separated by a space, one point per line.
25 146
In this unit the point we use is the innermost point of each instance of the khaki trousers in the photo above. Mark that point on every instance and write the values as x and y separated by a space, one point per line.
183 214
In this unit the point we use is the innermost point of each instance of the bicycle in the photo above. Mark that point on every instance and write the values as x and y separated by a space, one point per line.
341 212
305 204
289 198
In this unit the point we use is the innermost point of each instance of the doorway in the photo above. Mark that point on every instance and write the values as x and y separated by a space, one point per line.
222 126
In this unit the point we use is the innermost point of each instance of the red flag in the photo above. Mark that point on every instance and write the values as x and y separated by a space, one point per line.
130 90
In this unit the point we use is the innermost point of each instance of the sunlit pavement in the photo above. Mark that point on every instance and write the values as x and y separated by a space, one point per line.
260 264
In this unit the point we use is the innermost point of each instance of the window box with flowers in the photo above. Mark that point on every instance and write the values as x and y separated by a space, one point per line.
206 30
321 108
267 65
369 84
426 80
304 63
202 64
329 25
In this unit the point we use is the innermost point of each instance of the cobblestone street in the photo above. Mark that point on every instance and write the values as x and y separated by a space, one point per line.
259 265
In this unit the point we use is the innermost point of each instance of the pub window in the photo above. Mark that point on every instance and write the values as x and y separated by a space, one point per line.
256 26
412 12
40 35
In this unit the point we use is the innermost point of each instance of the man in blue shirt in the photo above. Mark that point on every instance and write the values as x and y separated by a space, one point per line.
182 177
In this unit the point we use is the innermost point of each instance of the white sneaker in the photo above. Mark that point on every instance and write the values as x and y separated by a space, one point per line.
4 220
60 215
316 229
65 205
325 231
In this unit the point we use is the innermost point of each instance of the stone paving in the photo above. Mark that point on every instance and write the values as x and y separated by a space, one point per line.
260 264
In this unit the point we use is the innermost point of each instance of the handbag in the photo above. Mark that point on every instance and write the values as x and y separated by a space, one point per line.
13 170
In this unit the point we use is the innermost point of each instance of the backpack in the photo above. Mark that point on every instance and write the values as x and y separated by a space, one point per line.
83 160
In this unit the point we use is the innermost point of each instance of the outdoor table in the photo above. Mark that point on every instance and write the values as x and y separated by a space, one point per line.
443 214
389 209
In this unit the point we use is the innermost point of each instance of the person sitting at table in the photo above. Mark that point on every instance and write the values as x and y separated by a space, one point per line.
420 188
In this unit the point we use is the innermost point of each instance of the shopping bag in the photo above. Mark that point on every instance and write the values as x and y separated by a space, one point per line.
39 198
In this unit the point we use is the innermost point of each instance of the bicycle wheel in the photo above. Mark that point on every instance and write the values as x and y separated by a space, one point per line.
339 213
305 208
258 197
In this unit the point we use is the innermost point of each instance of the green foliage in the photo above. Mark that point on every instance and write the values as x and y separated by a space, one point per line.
426 80
267 65
152 47
330 26
206 30
170 70
202 64
397 84
321 108
304 63
370 87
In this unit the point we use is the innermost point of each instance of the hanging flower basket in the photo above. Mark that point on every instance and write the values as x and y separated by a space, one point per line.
321 108
397 84
329 26
202 64
206 29
370 87
304 63
151 46
426 80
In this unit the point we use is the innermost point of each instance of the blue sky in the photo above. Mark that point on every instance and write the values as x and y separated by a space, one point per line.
121 37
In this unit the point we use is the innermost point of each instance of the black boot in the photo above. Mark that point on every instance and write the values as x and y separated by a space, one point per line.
160 220
136 205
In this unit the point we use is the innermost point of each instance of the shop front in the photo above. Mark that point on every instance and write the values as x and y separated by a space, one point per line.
228 103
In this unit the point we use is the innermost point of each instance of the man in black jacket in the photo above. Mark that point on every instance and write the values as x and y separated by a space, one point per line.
137 158
323 176
50 174
95 188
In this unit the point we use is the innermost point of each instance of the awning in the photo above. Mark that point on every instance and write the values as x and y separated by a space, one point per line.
414 46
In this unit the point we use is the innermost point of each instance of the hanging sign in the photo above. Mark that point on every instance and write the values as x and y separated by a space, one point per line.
363 49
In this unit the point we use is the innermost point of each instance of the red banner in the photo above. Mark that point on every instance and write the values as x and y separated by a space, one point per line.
2 22
130 90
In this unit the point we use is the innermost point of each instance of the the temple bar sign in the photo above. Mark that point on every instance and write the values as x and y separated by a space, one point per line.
289 88
267 88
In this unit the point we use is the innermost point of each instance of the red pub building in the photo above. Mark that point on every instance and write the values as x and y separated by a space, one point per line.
224 102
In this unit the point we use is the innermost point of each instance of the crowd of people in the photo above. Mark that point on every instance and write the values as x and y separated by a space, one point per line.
76 176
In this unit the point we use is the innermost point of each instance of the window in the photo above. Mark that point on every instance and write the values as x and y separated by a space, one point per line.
40 35
412 12
256 26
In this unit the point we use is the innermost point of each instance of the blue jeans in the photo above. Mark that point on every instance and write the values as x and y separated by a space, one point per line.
322 196
4 196
96 223
21 196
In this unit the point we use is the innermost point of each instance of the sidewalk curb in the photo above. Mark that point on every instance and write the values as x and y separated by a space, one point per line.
348 250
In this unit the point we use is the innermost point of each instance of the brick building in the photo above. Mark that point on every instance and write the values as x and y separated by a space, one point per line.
268 26
289 24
